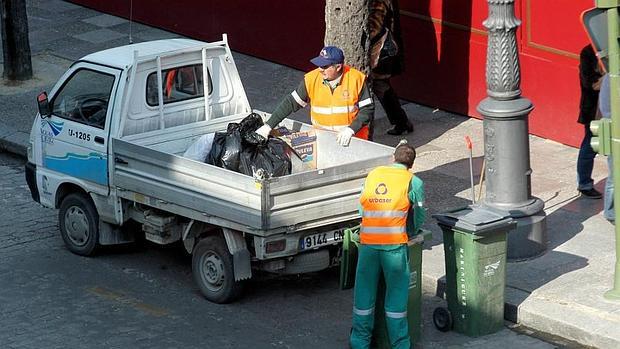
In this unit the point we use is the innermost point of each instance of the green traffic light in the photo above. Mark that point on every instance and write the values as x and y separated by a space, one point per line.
601 132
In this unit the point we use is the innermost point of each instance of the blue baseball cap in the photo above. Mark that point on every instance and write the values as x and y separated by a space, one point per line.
328 55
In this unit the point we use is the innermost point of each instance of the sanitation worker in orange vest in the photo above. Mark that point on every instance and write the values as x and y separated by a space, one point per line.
338 96
392 210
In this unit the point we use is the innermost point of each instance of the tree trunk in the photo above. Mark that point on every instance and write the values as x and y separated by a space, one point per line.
346 26
15 44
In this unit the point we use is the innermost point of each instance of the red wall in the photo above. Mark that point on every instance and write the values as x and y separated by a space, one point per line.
278 30
445 47
449 57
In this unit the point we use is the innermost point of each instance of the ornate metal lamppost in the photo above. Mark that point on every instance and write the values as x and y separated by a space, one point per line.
506 136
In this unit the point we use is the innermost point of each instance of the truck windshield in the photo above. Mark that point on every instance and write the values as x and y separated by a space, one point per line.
84 97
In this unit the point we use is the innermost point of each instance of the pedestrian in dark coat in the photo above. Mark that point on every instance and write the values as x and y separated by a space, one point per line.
386 60
590 77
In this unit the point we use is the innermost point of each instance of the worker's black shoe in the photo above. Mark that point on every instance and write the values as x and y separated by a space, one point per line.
590 193
398 130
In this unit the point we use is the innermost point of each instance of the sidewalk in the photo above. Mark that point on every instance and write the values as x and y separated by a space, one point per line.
559 293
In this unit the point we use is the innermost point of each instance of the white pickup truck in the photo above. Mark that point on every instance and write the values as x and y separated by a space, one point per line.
106 150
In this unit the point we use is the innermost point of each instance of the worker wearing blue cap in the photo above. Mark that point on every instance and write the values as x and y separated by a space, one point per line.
338 96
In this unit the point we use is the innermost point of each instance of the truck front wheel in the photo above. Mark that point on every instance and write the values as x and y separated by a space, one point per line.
212 267
79 224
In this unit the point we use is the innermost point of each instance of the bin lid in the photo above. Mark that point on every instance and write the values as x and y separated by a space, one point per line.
476 219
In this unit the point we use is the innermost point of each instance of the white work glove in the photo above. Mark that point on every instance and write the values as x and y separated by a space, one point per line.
344 136
264 130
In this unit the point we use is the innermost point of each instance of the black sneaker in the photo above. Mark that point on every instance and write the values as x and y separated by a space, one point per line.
397 131
590 193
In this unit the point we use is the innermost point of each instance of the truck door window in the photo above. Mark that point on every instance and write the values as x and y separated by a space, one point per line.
178 84
84 97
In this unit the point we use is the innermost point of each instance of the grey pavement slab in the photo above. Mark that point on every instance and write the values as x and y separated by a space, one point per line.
99 36
135 27
558 293
105 20
155 34
54 5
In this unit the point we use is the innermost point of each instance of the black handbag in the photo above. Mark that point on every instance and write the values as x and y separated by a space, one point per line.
389 48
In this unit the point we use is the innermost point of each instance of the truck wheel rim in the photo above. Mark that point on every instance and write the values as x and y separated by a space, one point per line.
76 225
212 271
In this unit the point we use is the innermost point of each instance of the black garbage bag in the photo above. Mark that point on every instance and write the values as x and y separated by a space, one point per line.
248 126
217 148
240 149
232 149
226 148
271 156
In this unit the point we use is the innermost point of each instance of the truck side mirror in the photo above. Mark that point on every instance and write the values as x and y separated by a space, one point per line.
44 105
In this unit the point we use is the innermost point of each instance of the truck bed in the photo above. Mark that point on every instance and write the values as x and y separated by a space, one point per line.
157 175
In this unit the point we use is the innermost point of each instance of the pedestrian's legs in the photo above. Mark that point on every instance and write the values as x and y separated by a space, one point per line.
609 191
365 293
389 100
395 267
585 162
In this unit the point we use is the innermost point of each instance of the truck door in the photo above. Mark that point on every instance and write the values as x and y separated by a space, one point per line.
74 139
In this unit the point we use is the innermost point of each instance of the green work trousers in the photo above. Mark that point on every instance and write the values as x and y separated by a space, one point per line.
393 263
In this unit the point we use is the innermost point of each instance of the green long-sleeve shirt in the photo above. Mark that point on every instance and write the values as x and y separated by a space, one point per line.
417 213
290 104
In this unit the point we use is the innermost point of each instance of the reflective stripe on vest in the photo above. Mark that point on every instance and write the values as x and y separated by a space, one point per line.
336 110
385 203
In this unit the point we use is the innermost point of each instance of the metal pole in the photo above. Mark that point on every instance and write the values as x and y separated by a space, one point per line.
506 136
614 84
470 146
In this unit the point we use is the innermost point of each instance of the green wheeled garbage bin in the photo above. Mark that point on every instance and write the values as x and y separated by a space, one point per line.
474 240
348 268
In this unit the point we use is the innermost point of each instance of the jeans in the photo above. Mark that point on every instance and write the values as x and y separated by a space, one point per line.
585 161
608 211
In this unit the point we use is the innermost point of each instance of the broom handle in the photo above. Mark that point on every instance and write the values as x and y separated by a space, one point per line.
484 162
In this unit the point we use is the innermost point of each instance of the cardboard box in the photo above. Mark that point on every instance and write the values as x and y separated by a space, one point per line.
303 143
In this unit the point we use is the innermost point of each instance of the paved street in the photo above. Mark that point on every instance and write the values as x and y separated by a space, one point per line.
143 296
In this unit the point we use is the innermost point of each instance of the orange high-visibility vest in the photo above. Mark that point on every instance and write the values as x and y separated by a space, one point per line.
385 202
170 82
336 110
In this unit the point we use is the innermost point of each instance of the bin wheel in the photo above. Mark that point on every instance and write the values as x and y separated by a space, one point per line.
442 319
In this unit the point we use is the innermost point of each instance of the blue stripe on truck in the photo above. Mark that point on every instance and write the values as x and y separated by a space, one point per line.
92 167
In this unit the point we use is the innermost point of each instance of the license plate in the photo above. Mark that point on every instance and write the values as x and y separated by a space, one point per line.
321 239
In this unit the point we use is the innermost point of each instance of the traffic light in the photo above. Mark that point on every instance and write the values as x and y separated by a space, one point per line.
601 136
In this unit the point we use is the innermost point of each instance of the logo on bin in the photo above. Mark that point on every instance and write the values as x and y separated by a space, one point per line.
491 269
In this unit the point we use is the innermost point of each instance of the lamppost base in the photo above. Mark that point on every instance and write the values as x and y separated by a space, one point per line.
529 239
612 295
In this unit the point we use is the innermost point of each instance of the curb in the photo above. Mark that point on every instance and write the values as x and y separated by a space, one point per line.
586 326
15 148
545 316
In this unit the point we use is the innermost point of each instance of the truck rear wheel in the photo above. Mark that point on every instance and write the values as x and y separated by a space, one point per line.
79 224
213 271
